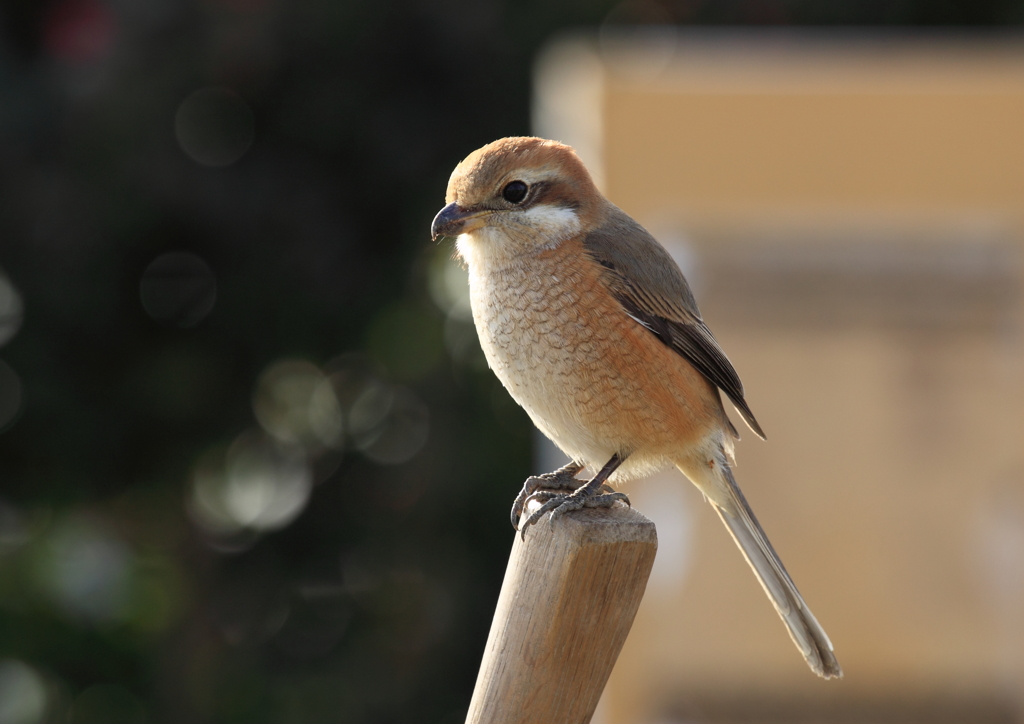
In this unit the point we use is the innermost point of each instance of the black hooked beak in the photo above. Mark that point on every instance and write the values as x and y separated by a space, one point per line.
453 220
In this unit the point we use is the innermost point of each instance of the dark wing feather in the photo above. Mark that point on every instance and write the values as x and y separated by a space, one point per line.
657 296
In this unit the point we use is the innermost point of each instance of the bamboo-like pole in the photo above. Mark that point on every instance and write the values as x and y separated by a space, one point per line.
570 593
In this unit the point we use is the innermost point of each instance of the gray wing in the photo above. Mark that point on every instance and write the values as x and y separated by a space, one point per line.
657 296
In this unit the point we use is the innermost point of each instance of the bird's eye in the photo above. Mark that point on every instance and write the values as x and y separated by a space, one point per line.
514 191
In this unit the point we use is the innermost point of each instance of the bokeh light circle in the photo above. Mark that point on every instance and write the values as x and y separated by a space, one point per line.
23 693
11 310
295 403
394 424
255 485
214 127
448 281
178 288
85 569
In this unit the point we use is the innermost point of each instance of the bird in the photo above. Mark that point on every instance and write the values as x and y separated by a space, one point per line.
592 328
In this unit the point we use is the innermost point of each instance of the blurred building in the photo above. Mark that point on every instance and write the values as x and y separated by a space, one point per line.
850 213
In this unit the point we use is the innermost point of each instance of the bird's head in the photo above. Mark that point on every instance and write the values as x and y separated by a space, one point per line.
518 195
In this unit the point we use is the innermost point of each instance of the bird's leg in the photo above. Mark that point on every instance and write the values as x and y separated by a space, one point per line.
562 479
588 495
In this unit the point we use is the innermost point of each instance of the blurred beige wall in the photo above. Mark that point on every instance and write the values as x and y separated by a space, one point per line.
851 216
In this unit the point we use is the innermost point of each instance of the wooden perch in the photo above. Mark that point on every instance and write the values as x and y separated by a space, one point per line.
570 593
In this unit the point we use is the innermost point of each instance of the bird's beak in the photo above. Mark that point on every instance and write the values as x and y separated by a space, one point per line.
453 220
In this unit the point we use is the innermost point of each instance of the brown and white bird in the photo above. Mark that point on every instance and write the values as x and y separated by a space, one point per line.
592 328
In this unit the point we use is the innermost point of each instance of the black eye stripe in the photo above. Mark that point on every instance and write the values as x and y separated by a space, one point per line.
514 191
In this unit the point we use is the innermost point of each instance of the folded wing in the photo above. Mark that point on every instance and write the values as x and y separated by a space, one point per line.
654 292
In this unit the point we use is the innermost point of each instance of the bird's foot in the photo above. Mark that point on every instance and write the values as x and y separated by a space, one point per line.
556 504
562 479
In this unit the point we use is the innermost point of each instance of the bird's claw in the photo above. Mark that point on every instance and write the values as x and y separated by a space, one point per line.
559 503
562 479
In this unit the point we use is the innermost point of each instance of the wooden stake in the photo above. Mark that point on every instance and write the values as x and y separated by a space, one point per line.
570 593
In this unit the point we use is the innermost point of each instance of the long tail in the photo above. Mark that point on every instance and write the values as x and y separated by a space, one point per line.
804 629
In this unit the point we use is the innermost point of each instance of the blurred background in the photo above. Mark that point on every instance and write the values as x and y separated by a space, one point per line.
253 467
848 208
